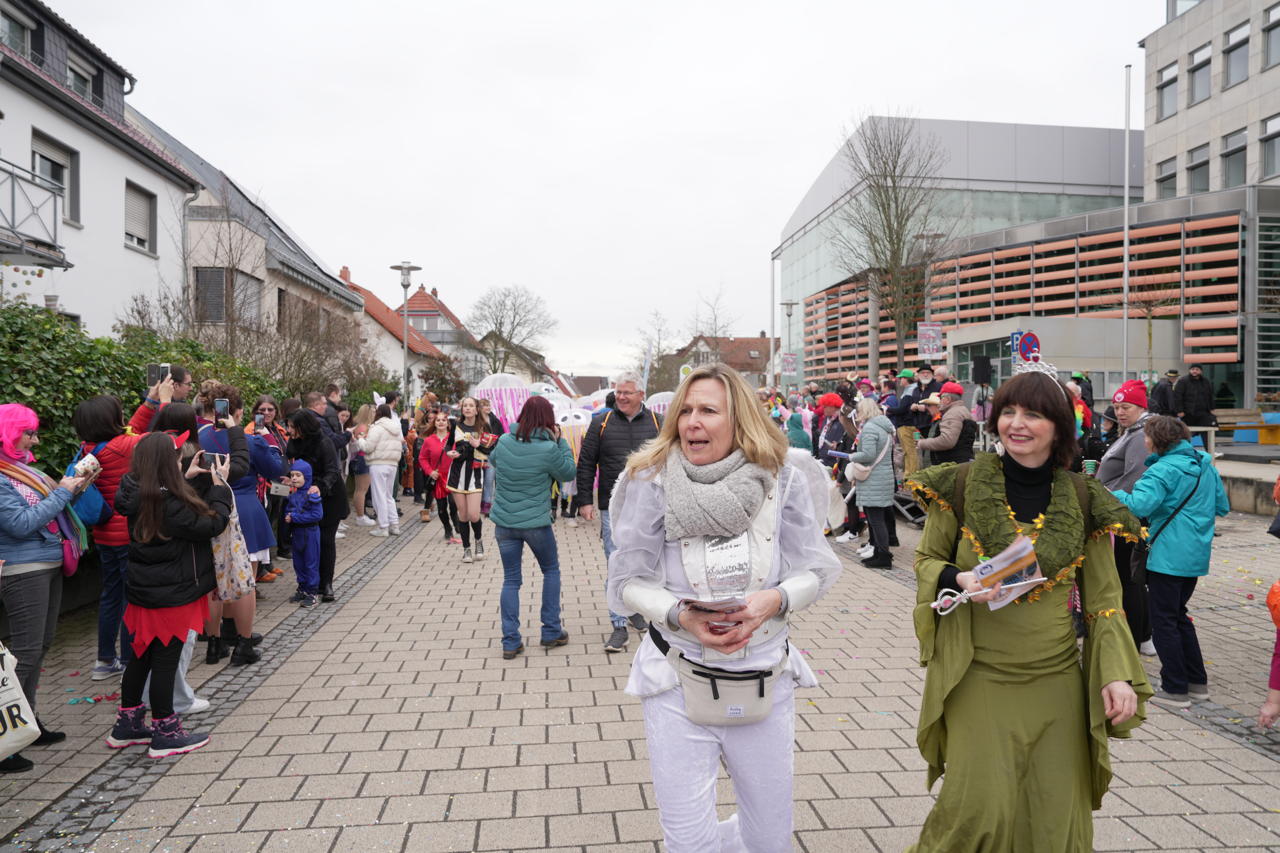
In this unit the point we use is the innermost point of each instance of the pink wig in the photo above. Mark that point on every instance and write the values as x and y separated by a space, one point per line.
15 419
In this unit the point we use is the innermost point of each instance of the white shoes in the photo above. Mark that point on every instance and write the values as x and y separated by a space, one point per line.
1147 648
365 521
866 550
395 530
339 535
847 536
342 525
198 706
380 532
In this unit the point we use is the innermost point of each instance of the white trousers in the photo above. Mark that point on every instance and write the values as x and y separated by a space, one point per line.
382 479
685 758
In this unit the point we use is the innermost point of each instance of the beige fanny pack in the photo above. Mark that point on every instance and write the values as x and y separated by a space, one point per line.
719 697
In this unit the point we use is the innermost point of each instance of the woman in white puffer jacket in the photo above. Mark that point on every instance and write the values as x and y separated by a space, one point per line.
382 448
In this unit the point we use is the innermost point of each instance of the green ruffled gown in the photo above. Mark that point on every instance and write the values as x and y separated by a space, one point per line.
1012 714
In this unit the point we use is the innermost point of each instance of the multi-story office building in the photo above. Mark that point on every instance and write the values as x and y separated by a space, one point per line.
992 176
1213 97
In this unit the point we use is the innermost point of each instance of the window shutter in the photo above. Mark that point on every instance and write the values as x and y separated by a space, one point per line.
52 151
248 296
211 301
137 214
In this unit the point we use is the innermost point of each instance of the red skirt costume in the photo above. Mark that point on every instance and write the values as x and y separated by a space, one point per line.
435 457
164 623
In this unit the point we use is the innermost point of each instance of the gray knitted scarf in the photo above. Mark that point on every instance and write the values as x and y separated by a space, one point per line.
719 499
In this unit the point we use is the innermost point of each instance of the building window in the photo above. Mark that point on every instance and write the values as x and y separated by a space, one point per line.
1235 57
1271 36
139 217
1198 170
211 294
1271 146
80 77
247 296
15 32
58 164
1167 91
1233 158
1167 178
282 305
1198 75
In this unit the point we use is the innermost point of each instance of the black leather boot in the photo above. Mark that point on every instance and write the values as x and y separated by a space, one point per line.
245 653
230 635
215 650
326 593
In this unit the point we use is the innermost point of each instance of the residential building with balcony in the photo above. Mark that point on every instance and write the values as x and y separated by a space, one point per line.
82 192
431 317
992 176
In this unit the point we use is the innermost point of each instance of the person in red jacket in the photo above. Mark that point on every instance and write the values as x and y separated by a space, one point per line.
434 461
99 423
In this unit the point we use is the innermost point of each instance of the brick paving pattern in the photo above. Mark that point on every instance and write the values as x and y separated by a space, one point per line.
389 721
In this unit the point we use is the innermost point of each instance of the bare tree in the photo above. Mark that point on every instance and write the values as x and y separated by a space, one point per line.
1151 294
892 227
712 319
517 316
657 345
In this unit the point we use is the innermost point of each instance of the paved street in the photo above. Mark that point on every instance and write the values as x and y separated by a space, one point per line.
389 721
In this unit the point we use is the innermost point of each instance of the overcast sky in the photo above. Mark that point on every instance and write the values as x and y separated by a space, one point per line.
615 158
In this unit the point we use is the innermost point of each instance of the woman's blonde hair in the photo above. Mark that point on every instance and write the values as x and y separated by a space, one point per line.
867 409
364 415
758 437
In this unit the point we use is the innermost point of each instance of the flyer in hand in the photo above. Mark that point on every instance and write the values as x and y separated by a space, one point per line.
1014 565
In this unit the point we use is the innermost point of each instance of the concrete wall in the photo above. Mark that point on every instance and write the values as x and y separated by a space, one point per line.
107 271
1244 105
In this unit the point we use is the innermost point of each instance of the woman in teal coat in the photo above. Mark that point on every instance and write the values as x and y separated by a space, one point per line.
1179 494
525 463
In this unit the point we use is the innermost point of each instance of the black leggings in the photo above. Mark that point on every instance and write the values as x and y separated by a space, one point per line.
1133 595
328 552
448 513
161 663
878 522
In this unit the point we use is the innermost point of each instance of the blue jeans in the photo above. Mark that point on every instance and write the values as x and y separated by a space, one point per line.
606 533
115 569
542 542
486 488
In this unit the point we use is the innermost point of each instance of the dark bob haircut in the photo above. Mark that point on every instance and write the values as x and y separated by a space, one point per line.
98 419
537 414
177 418
1040 393
1164 432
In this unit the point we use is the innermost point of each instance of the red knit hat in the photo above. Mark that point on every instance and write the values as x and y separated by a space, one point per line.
951 388
831 400
1133 392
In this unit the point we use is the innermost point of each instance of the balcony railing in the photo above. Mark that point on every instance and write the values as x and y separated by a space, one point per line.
30 213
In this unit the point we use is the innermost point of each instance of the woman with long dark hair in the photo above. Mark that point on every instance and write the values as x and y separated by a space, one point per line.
171 524
272 432
434 462
466 474
525 463
308 443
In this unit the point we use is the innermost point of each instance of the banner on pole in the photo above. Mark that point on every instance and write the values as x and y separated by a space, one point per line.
929 340
789 364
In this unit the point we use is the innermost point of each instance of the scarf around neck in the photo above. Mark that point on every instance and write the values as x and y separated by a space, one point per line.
719 499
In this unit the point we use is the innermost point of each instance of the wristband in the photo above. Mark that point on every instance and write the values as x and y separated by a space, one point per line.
151 402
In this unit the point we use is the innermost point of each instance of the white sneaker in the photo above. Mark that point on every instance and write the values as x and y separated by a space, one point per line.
1147 648
395 530
847 536
339 535
342 525
365 521
380 532
198 706
866 551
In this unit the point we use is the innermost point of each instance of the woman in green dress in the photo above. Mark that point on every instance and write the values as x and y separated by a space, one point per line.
1014 716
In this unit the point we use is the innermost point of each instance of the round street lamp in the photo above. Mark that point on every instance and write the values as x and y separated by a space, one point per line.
405 267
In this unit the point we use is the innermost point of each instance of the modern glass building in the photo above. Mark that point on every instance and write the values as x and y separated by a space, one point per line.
993 176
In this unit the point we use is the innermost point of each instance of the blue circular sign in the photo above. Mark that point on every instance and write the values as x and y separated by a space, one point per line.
1028 345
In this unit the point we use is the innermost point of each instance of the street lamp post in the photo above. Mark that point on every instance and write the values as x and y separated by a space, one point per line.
788 307
405 267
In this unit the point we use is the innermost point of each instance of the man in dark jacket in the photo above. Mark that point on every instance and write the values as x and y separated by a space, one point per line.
926 386
1193 398
1086 388
614 435
1161 398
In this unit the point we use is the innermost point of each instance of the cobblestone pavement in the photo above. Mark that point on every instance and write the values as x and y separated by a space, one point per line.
389 721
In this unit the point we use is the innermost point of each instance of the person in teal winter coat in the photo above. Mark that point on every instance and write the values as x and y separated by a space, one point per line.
1179 494
875 493
525 463
797 435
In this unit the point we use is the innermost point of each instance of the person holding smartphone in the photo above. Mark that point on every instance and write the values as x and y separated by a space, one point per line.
252 458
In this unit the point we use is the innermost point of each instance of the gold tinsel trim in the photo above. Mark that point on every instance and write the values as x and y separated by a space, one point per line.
1119 530
917 486
1103 614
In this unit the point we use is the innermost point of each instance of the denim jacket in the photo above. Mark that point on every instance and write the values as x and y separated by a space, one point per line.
24 534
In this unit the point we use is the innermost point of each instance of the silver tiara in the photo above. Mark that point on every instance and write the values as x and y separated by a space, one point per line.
1038 365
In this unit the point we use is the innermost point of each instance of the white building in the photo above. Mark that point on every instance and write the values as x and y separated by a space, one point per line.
82 193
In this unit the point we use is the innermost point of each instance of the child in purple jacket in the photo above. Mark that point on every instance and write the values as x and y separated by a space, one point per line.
303 512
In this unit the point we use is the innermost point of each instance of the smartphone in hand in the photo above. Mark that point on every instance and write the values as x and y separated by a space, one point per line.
154 376
221 408
258 420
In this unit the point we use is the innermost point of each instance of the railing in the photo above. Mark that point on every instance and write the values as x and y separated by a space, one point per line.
30 206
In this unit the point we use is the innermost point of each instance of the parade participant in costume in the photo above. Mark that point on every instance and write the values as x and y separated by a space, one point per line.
715 507
468 449
1012 719
434 461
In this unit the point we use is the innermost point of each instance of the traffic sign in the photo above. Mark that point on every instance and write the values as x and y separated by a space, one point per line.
1029 347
